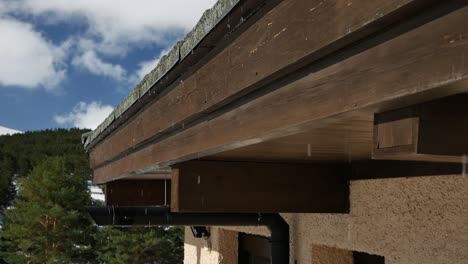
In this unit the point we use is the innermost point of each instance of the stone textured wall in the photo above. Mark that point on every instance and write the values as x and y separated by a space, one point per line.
407 220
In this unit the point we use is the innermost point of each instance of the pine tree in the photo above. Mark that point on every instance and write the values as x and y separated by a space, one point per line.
54 191
7 172
138 245
49 224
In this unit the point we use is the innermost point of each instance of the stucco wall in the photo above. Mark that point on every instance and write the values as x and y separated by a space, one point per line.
407 220
330 255
221 247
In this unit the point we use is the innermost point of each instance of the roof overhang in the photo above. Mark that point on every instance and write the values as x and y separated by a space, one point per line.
256 74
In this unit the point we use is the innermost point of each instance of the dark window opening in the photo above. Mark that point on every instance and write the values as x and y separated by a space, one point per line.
326 254
254 249
364 258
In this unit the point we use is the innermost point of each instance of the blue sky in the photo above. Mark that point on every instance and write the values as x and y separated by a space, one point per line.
66 63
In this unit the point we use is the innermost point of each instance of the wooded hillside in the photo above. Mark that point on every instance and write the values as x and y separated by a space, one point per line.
45 222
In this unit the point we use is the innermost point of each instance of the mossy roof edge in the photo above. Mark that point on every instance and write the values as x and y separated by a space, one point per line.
180 51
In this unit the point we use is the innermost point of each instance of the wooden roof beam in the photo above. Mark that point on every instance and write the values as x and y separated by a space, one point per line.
424 63
218 186
274 47
255 186
138 193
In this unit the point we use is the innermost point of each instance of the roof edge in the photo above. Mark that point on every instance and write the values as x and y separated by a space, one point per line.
179 52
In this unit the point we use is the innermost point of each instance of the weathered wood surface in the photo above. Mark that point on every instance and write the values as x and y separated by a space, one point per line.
218 38
138 193
431 131
426 62
292 34
403 132
216 186
341 140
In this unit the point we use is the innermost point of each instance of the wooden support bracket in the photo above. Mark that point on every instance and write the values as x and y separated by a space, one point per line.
432 131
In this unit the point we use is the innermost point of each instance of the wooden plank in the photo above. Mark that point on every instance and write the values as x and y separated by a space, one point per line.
400 135
308 37
138 193
397 133
431 131
218 38
424 63
216 186
175 194
339 141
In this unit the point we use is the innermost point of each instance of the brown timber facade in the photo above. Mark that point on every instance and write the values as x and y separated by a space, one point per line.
349 118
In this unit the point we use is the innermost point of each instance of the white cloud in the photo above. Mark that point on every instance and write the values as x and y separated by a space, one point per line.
112 28
91 62
8 131
113 25
28 60
85 115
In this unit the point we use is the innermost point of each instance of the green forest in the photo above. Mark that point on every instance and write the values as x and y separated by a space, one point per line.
43 193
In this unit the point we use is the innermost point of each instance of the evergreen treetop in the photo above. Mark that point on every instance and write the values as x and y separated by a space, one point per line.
48 224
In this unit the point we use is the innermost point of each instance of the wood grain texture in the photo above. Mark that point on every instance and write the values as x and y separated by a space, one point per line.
340 140
423 63
397 133
216 186
431 131
175 187
294 32
138 193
